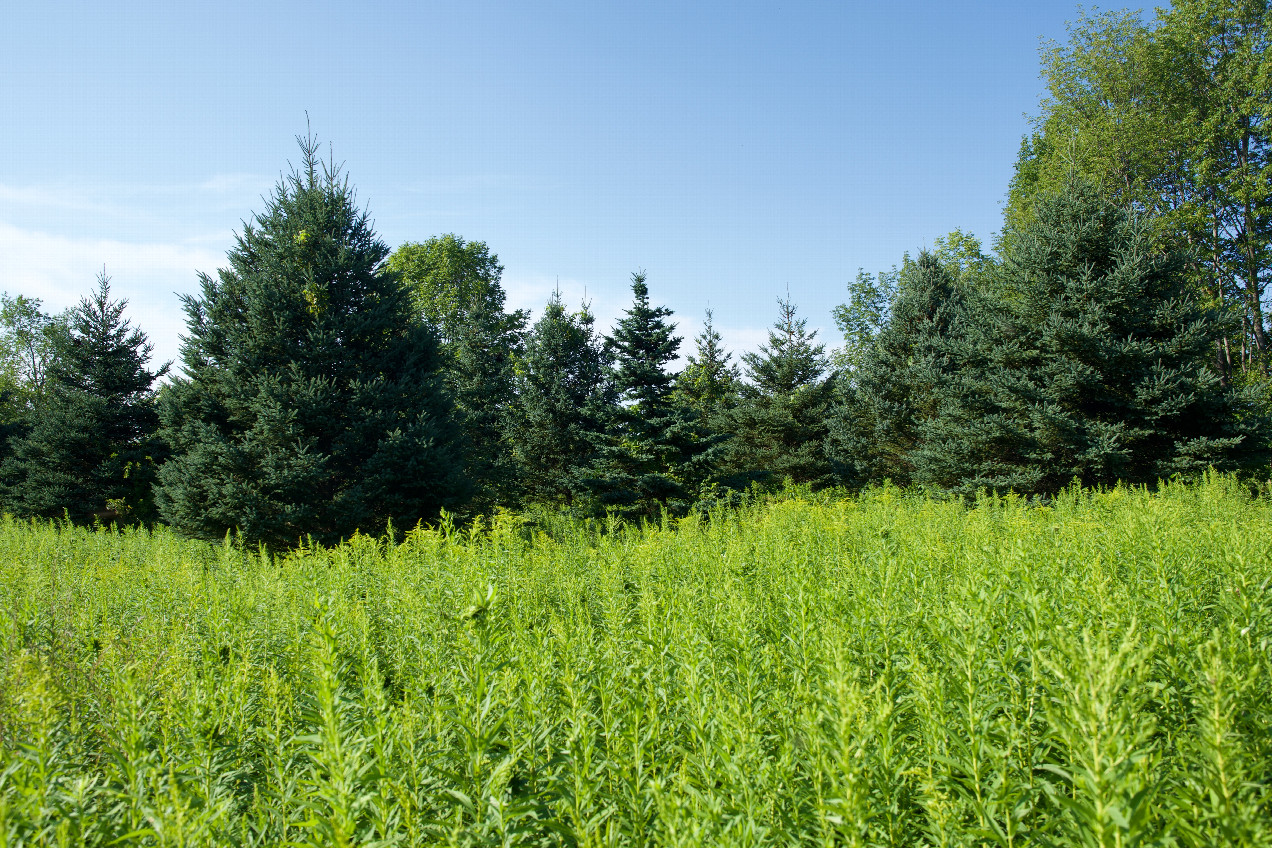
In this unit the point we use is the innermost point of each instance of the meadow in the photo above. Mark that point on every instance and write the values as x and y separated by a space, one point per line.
882 670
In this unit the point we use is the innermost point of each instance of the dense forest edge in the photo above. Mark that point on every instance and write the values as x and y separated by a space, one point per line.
1116 333
382 561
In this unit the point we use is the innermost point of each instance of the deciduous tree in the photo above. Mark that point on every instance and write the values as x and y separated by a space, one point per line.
1172 118
457 290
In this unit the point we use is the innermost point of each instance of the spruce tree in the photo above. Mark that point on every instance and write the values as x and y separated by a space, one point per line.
899 379
779 427
564 398
1096 367
90 451
657 454
312 403
480 373
710 383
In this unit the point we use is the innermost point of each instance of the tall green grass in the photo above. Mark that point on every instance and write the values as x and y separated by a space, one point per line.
882 671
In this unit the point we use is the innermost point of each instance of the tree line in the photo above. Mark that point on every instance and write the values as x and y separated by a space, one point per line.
329 384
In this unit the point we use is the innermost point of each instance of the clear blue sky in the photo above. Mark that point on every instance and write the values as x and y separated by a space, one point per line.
730 150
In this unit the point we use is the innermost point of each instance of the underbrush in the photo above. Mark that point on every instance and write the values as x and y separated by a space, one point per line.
888 670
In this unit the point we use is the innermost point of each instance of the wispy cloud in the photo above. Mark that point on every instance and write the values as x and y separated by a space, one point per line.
133 200
151 238
61 197
59 270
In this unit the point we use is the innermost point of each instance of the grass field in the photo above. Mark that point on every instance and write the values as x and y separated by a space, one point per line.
882 671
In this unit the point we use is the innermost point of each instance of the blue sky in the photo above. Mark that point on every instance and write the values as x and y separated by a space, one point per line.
730 150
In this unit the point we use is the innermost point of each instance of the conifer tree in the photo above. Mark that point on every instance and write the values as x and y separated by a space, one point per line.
564 398
711 382
779 428
312 403
657 454
1096 367
480 373
90 452
901 375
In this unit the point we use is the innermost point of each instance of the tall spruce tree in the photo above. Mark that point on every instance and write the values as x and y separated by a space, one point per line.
1172 117
312 403
457 289
1095 368
565 397
90 452
657 453
779 428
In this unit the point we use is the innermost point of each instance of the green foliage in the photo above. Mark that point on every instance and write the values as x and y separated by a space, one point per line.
452 279
90 450
1096 369
656 453
874 428
28 339
871 298
1079 354
864 316
791 360
565 398
710 382
779 425
456 285
312 403
962 255
1171 118
888 670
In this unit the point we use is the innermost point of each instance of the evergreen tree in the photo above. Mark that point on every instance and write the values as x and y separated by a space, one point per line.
90 452
790 361
1171 117
481 376
779 428
899 380
657 454
711 382
456 284
1095 368
564 398
312 403
868 311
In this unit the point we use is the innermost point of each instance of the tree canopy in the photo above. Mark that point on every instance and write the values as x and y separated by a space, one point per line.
90 451
1172 118
312 403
